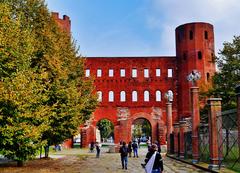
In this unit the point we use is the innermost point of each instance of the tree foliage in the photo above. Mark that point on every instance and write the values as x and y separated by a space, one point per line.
228 77
106 128
22 118
141 128
44 95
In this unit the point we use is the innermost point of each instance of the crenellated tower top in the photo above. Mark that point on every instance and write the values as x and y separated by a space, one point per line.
64 23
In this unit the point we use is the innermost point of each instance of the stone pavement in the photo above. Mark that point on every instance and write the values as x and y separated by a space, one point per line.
111 163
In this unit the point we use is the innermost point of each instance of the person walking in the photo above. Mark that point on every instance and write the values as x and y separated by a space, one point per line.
92 147
139 141
154 162
135 149
158 145
124 155
149 144
98 150
130 149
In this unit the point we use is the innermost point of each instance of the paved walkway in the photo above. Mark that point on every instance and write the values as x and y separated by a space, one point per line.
110 163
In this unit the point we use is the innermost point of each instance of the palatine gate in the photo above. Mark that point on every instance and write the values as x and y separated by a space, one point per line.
129 88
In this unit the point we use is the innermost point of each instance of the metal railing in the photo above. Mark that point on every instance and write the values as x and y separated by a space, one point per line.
188 145
228 140
204 153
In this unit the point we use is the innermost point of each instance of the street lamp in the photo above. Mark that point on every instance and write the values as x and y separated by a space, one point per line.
169 96
194 76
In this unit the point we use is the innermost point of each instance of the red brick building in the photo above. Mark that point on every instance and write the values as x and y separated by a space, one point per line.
133 87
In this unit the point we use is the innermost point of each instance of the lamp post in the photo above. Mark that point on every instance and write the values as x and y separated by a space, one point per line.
169 97
193 77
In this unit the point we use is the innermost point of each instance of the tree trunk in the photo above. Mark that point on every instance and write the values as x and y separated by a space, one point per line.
20 163
41 152
46 148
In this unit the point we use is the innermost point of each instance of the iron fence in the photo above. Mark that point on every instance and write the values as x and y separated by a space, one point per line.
204 153
188 145
228 140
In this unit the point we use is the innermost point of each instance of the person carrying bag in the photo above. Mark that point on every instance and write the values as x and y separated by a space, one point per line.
154 163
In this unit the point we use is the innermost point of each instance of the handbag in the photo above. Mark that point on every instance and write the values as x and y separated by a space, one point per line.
149 166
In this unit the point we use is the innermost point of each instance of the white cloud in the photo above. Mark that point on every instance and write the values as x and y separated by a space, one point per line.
223 14
149 28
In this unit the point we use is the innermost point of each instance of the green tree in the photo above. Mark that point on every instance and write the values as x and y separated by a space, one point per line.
106 128
228 77
51 69
22 118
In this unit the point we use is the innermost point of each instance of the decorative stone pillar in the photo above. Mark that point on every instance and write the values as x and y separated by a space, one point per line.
176 132
195 123
183 128
214 111
238 113
169 125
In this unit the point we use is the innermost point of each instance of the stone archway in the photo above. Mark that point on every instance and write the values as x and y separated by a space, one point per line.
123 120
141 130
155 118
106 130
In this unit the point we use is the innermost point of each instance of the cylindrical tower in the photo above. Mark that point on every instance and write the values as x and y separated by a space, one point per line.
194 51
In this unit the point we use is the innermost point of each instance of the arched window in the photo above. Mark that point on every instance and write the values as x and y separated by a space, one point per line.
134 96
146 96
122 96
99 93
158 96
111 96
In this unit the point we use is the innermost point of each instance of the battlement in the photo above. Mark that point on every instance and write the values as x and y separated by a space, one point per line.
64 23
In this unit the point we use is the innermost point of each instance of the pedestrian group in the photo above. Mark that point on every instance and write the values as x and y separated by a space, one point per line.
153 161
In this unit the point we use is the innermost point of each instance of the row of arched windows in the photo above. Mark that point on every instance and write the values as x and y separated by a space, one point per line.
146 94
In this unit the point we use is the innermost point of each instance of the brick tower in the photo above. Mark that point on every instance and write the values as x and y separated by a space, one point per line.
194 51
64 23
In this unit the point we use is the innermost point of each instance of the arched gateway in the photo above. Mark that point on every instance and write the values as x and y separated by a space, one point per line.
123 121
134 87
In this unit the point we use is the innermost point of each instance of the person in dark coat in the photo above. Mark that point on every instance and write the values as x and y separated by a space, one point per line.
130 149
92 147
158 145
124 155
139 141
135 149
158 163
97 149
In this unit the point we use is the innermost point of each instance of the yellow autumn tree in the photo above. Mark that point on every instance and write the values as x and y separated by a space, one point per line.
48 78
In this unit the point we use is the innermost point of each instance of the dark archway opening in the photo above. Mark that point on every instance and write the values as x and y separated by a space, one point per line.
106 129
141 129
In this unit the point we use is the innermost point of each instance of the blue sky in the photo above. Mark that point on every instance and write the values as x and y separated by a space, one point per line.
143 27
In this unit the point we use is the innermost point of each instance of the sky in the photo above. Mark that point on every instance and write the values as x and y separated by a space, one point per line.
143 27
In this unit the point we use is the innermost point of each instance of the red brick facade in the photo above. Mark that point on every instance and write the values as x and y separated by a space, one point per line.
194 50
